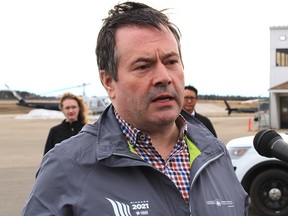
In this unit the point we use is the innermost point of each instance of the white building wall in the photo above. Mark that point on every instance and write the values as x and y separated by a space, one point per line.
278 75
274 114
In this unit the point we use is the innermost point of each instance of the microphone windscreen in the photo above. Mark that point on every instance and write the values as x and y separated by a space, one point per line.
263 141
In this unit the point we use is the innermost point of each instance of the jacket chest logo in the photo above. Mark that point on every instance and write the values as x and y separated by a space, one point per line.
134 208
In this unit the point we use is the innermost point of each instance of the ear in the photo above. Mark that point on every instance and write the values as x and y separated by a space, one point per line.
108 83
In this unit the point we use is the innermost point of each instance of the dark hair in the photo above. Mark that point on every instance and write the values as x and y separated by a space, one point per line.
128 13
192 88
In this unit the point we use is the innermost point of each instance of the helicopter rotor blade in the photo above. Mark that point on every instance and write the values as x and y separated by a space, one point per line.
78 86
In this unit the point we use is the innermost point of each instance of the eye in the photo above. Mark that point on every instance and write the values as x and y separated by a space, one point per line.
171 62
143 67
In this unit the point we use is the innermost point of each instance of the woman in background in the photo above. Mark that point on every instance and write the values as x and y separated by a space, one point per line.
75 111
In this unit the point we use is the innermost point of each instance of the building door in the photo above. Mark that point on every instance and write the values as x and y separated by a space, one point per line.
284 112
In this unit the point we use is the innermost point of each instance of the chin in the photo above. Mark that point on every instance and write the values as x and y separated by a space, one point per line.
167 116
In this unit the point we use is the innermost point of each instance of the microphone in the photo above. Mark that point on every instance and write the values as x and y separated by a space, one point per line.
269 143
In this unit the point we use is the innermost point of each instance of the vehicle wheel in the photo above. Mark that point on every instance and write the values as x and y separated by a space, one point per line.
269 193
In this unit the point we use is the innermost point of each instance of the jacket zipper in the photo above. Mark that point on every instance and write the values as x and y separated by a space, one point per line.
200 170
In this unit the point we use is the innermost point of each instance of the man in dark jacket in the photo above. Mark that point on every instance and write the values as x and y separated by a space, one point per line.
141 157
190 100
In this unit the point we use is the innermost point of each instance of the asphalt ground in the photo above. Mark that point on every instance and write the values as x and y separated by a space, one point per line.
22 143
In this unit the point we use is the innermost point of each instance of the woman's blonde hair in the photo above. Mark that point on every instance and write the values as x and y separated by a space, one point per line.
83 108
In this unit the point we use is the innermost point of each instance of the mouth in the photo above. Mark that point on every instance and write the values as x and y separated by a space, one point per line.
163 98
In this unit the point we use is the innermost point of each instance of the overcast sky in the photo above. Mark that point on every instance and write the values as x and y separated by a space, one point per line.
49 45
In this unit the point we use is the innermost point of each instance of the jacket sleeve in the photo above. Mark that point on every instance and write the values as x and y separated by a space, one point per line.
53 193
49 142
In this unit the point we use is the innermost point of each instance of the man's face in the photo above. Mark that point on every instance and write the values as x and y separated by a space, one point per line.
190 99
149 90
70 109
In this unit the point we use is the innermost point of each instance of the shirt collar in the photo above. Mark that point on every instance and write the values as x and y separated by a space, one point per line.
133 134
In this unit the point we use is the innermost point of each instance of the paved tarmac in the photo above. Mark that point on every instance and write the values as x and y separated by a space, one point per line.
22 144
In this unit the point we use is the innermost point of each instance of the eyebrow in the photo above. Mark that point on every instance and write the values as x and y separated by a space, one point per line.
150 59
171 54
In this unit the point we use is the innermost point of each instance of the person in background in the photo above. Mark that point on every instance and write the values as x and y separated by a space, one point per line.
141 157
75 111
190 100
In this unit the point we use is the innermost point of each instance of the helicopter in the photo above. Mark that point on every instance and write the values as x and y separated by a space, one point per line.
96 105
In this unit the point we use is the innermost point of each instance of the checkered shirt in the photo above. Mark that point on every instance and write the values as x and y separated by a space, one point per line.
176 167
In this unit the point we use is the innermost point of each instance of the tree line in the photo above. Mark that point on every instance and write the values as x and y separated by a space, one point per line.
7 95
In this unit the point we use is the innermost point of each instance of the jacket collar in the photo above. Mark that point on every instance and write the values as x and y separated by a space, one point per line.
109 138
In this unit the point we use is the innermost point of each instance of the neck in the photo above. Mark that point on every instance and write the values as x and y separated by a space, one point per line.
165 140
70 121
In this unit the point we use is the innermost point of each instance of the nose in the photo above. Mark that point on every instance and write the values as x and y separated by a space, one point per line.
162 75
